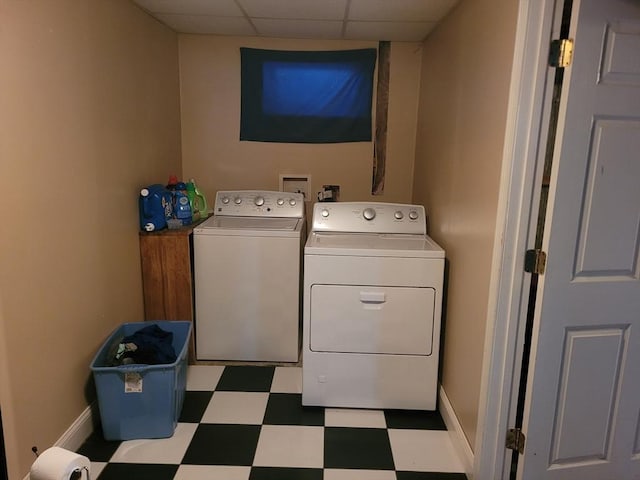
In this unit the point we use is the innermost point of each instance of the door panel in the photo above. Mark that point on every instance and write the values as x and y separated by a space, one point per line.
587 390
608 242
622 41
583 394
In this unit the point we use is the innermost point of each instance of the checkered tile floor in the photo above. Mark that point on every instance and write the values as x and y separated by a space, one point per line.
247 423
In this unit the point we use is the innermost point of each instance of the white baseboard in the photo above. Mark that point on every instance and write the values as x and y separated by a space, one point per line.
79 430
458 438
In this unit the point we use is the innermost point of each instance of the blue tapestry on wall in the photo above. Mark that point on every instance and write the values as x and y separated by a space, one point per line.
306 96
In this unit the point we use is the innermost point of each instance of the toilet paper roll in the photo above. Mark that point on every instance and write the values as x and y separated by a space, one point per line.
57 463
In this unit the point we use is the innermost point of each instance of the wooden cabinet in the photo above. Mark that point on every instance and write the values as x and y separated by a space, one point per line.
167 276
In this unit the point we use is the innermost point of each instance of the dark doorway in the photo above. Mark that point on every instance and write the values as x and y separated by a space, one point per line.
3 458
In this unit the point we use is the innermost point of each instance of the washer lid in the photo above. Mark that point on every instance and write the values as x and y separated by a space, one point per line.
223 225
368 245
254 223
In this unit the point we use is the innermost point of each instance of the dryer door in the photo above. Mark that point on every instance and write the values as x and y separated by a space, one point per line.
366 319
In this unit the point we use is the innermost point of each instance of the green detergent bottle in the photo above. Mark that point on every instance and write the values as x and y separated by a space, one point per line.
197 200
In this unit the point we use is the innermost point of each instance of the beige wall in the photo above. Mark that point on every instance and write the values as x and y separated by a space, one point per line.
466 69
89 112
213 154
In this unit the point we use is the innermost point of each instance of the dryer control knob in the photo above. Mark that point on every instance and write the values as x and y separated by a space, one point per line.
225 200
237 200
413 215
399 215
292 202
280 201
325 212
369 213
259 201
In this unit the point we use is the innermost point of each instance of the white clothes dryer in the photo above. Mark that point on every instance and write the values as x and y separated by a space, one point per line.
247 271
372 299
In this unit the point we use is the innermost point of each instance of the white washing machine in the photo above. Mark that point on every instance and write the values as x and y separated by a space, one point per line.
372 299
247 270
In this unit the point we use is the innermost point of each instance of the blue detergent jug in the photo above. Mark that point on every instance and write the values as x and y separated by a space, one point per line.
155 206
182 206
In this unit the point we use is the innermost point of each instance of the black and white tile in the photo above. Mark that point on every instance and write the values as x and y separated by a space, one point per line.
248 423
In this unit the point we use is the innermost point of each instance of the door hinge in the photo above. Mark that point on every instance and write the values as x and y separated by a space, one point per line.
535 261
561 53
515 440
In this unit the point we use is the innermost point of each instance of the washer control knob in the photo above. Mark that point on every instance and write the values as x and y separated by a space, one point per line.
325 212
399 215
413 215
225 200
280 201
259 201
369 213
237 200
292 202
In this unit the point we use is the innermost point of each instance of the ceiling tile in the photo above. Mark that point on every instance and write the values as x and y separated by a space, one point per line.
225 8
298 29
295 9
391 31
207 24
399 20
400 10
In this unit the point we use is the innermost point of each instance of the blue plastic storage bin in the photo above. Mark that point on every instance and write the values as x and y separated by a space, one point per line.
141 401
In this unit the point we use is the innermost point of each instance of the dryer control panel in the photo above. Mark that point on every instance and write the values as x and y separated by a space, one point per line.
369 217
259 203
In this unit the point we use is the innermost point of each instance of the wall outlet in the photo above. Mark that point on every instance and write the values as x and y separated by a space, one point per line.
296 184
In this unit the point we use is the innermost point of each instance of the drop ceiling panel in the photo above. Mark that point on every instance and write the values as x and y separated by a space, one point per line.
298 29
205 24
223 8
400 10
295 9
391 31
395 20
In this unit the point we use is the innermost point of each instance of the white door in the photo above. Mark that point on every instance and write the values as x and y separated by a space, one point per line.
583 397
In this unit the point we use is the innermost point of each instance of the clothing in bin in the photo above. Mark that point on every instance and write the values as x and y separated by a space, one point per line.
150 345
